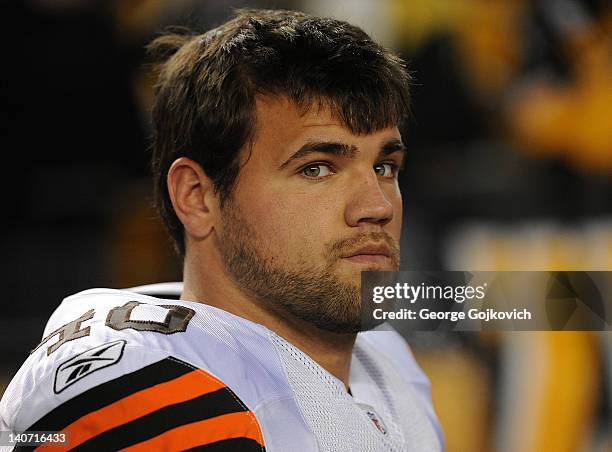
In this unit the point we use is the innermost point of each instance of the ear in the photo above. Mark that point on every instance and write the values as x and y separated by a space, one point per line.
193 197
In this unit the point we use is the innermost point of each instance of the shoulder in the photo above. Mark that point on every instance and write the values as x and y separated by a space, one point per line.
115 368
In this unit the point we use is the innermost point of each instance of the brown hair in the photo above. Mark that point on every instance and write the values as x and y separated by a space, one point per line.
205 94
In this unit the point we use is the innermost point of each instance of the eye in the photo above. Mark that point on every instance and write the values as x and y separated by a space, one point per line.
316 170
385 169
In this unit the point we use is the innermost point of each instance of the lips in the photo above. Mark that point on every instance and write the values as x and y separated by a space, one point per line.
370 254
371 250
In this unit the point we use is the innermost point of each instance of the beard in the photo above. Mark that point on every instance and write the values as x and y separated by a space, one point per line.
311 293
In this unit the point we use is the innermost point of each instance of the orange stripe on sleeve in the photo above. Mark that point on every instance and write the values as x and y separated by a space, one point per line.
141 403
227 426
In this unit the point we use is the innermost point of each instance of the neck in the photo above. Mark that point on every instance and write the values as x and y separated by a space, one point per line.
332 351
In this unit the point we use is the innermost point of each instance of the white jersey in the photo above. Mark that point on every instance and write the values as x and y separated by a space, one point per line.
127 370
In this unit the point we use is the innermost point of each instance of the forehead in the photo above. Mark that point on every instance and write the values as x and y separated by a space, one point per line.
282 127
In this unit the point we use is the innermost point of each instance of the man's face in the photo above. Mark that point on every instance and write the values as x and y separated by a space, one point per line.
314 206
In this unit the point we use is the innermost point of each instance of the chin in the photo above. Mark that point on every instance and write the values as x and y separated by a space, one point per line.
363 323
334 326
353 275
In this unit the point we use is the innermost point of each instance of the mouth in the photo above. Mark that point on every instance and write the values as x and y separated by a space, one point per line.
370 254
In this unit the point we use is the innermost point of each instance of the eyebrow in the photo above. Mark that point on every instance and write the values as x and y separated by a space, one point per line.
340 149
393 145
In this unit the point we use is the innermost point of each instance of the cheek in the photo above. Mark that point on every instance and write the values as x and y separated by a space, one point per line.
398 212
270 215
292 226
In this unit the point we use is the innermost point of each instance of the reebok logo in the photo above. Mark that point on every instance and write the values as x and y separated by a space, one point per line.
85 363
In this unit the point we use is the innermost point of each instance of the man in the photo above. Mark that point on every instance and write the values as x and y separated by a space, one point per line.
276 156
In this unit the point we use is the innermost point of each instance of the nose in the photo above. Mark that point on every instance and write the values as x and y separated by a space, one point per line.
368 203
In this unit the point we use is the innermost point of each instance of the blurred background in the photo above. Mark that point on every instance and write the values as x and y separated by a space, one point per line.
510 168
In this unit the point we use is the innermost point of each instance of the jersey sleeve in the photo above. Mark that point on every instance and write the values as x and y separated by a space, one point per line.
122 389
167 404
